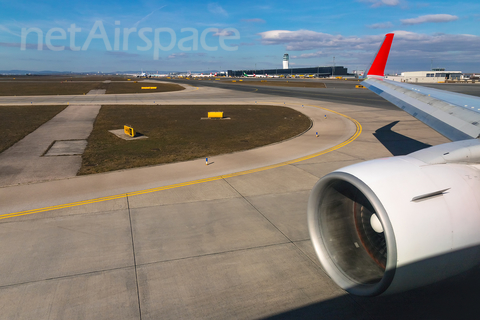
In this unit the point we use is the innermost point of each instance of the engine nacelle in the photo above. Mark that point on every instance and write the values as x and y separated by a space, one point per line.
394 224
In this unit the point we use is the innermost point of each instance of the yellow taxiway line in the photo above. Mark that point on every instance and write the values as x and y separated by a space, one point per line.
358 131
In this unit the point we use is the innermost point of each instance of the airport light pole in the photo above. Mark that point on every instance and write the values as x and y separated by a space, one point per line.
333 69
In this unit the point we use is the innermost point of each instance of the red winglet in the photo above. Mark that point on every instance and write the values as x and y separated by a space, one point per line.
378 66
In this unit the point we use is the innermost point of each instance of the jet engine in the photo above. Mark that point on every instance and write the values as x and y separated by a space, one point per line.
394 224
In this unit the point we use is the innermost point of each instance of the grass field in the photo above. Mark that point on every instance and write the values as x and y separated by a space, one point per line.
18 121
132 87
37 88
63 87
176 133
75 77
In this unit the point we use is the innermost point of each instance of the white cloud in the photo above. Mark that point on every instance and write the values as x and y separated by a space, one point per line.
186 55
135 25
430 18
122 54
17 45
409 48
310 55
410 36
255 20
383 25
215 8
177 55
380 3
306 40
390 2
7 30
222 33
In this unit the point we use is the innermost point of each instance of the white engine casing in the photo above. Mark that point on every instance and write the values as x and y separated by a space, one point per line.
430 214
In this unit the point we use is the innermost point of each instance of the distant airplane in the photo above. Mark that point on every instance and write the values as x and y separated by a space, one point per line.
138 75
394 224
204 75
158 75
260 75
148 75
141 75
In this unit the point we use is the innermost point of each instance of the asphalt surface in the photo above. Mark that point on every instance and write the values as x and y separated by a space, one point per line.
226 246
341 91
336 91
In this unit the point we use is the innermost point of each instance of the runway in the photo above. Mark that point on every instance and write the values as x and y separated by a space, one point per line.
202 242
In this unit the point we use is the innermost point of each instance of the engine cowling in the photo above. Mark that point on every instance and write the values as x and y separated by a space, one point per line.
394 224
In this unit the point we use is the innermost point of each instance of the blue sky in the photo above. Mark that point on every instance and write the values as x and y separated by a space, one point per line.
153 35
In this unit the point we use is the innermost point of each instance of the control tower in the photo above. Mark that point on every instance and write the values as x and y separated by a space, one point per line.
285 61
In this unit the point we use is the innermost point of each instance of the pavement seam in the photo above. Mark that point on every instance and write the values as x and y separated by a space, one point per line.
238 196
215 253
185 202
63 277
256 209
141 265
134 258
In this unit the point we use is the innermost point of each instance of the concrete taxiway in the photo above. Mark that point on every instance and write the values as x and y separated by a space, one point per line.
53 151
234 246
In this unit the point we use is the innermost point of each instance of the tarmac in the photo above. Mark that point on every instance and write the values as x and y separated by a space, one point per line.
227 240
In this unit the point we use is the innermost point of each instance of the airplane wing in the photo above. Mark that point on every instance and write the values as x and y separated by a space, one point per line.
454 115
393 224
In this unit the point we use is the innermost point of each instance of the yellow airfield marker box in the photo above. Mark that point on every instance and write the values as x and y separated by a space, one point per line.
129 131
215 115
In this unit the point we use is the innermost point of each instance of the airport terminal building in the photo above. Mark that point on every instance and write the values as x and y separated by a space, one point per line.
432 76
322 72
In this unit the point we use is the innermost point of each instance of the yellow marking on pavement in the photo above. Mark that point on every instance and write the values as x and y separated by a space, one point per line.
358 131
61 206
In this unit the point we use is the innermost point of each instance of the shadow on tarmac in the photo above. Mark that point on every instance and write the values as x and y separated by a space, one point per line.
455 298
396 143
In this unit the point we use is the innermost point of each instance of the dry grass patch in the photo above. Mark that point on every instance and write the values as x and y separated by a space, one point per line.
176 133
75 77
19 121
64 87
132 87
38 88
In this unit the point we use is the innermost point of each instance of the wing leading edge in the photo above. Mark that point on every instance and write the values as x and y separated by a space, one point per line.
454 115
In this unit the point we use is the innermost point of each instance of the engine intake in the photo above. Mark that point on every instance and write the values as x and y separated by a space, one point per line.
345 233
